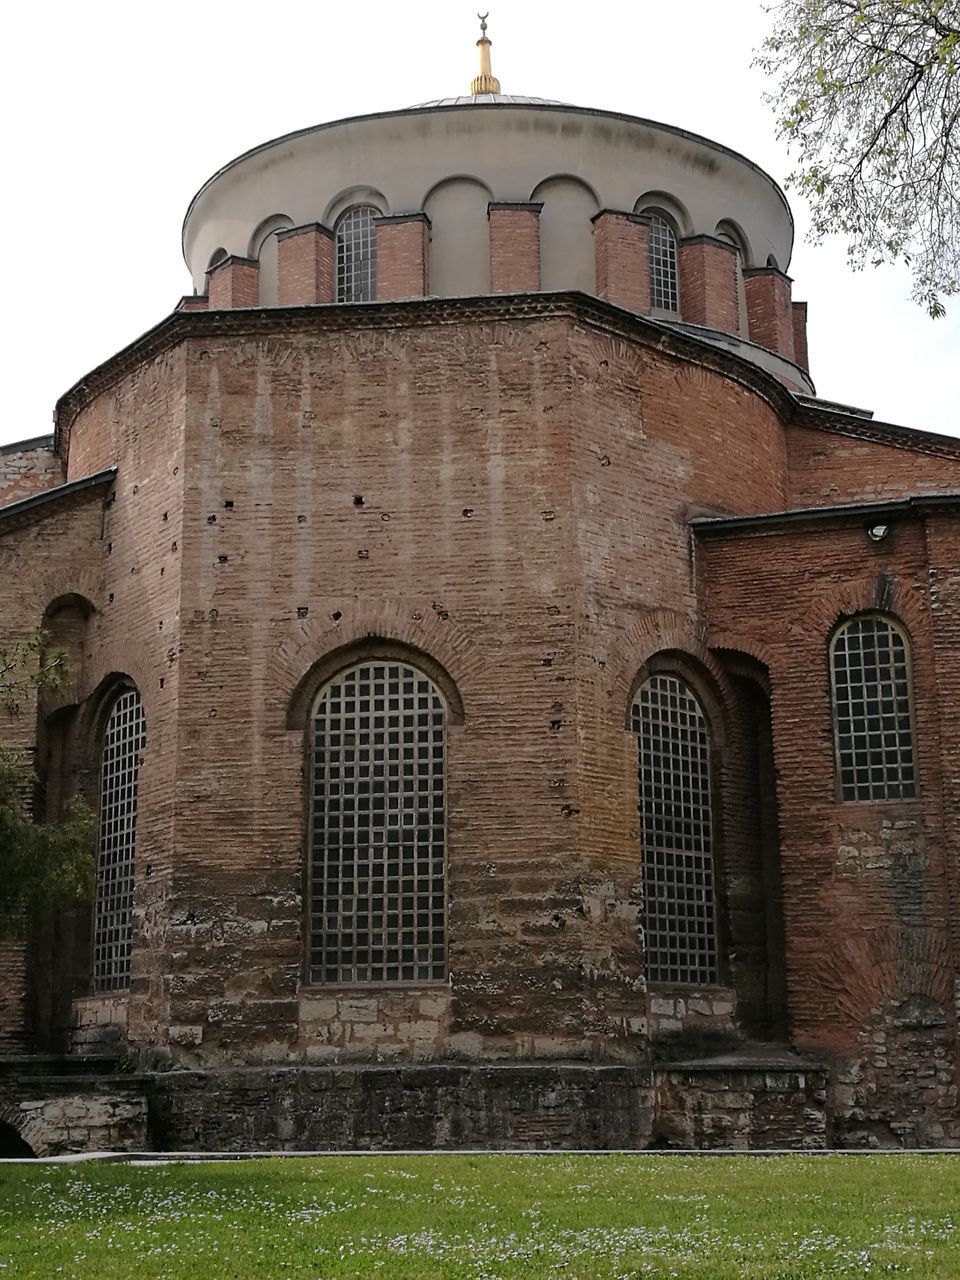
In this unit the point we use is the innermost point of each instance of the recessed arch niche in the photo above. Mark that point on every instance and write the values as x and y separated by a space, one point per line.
459 237
263 246
566 233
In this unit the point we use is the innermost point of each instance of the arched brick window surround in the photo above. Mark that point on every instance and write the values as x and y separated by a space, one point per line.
871 684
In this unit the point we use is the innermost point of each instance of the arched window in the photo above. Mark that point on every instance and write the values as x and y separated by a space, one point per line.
124 738
378 827
676 832
356 239
664 289
873 720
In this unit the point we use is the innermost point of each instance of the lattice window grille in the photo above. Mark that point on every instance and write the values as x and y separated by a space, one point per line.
874 722
124 740
357 255
378 828
664 291
676 833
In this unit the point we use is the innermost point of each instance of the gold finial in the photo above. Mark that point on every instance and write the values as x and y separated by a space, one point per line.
486 81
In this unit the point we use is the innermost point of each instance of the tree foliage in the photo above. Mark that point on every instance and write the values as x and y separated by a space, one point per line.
44 866
29 667
869 99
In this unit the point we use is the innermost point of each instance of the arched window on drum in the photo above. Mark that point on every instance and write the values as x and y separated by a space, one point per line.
356 253
664 274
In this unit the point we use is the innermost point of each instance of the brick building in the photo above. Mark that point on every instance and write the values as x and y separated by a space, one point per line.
520 712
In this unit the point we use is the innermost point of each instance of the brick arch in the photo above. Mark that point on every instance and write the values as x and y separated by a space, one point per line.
869 593
659 632
428 633
744 666
96 705
703 683
370 648
26 1126
736 643
120 660
350 198
66 620
868 969
63 584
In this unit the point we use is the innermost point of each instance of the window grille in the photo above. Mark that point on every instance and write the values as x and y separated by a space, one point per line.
378 828
664 292
357 255
873 720
676 832
124 739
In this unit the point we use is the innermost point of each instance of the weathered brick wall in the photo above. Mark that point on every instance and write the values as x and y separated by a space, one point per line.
28 467
510 497
708 283
654 440
408 485
305 266
621 248
871 951
439 514
402 260
800 353
831 467
122 558
13 998
514 247
769 309
234 282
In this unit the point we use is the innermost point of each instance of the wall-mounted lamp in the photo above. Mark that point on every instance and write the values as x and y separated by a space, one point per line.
877 532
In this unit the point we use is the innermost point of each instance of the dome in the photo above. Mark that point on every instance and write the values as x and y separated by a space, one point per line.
490 99
536 196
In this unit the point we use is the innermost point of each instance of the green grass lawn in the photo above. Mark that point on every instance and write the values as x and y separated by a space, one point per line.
480 1217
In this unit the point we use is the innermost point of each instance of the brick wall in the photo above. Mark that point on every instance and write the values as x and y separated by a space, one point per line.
28 467
402 256
122 557
13 998
831 467
708 283
868 887
512 499
467 542
621 247
305 265
514 247
800 354
770 320
234 282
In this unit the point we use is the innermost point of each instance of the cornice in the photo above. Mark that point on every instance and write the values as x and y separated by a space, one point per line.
16 514
844 513
581 308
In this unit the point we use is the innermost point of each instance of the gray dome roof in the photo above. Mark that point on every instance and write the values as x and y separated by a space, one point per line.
476 99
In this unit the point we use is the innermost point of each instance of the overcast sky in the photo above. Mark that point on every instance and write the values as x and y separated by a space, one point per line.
115 113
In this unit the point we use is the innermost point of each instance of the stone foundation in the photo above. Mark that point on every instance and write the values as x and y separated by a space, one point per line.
569 1106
